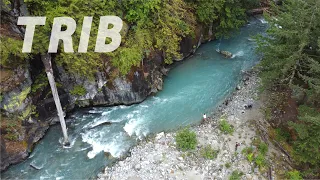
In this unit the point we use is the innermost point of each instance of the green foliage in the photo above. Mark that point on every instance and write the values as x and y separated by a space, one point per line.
294 175
236 175
154 25
258 156
208 152
78 90
227 165
260 160
10 52
11 132
17 100
263 148
247 150
232 16
250 157
85 64
282 135
227 14
206 10
40 82
291 51
11 136
186 139
306 147
291 60
225 127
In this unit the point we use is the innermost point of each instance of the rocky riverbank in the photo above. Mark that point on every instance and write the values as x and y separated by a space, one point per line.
158 157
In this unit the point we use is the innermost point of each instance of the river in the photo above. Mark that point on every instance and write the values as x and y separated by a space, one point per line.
193 87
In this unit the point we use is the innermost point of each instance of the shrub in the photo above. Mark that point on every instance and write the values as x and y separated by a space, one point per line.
208 152
225 127
247 150
263 148
260 160
228 165
11 136
294 175
186 139
236 175
78 90
250 157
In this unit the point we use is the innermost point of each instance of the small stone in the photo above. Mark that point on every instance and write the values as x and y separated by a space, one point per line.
160 135
137 167
248 176
121 163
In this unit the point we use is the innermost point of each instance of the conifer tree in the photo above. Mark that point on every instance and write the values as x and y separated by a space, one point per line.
291 59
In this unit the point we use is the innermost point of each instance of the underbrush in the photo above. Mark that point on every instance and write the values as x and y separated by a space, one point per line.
236 175
208 152
186 139
225 127
257 154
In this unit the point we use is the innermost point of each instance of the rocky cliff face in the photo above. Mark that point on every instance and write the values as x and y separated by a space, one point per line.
27 111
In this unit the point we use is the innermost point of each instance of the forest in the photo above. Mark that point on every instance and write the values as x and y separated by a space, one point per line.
291 76
290 64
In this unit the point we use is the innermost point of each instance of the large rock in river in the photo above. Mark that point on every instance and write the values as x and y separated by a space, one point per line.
226 54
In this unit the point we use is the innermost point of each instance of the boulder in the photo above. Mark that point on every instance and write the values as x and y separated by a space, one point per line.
226 54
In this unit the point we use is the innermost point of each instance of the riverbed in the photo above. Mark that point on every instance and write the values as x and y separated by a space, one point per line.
193 87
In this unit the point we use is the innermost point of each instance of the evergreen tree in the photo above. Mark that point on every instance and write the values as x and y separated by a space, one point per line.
291 59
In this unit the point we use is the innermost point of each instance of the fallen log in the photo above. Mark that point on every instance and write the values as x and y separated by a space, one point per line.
257 11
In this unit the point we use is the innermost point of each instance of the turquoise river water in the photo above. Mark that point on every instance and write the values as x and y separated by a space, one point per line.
193 87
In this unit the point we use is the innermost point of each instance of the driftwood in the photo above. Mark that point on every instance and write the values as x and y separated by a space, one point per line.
270 173
34 167
264 135
257 11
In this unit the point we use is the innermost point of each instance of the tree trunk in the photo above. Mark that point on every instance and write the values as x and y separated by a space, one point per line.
46 59
210 31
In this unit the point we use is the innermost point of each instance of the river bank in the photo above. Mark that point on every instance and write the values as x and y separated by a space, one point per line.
158 157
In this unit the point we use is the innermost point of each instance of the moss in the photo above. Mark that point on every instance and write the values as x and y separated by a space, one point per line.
26 113
11 137
78 90
18 100
34 111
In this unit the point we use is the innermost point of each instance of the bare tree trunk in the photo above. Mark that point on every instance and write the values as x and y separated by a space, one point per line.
46 59
210 31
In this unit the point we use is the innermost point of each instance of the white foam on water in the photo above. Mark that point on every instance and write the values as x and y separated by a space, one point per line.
60 177
82 149
95 112
238 54
136 125
263 21
130 126
130 116
114 144
123 106
106 113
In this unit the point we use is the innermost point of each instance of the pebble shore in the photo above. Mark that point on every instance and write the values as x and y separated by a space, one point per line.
158 158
